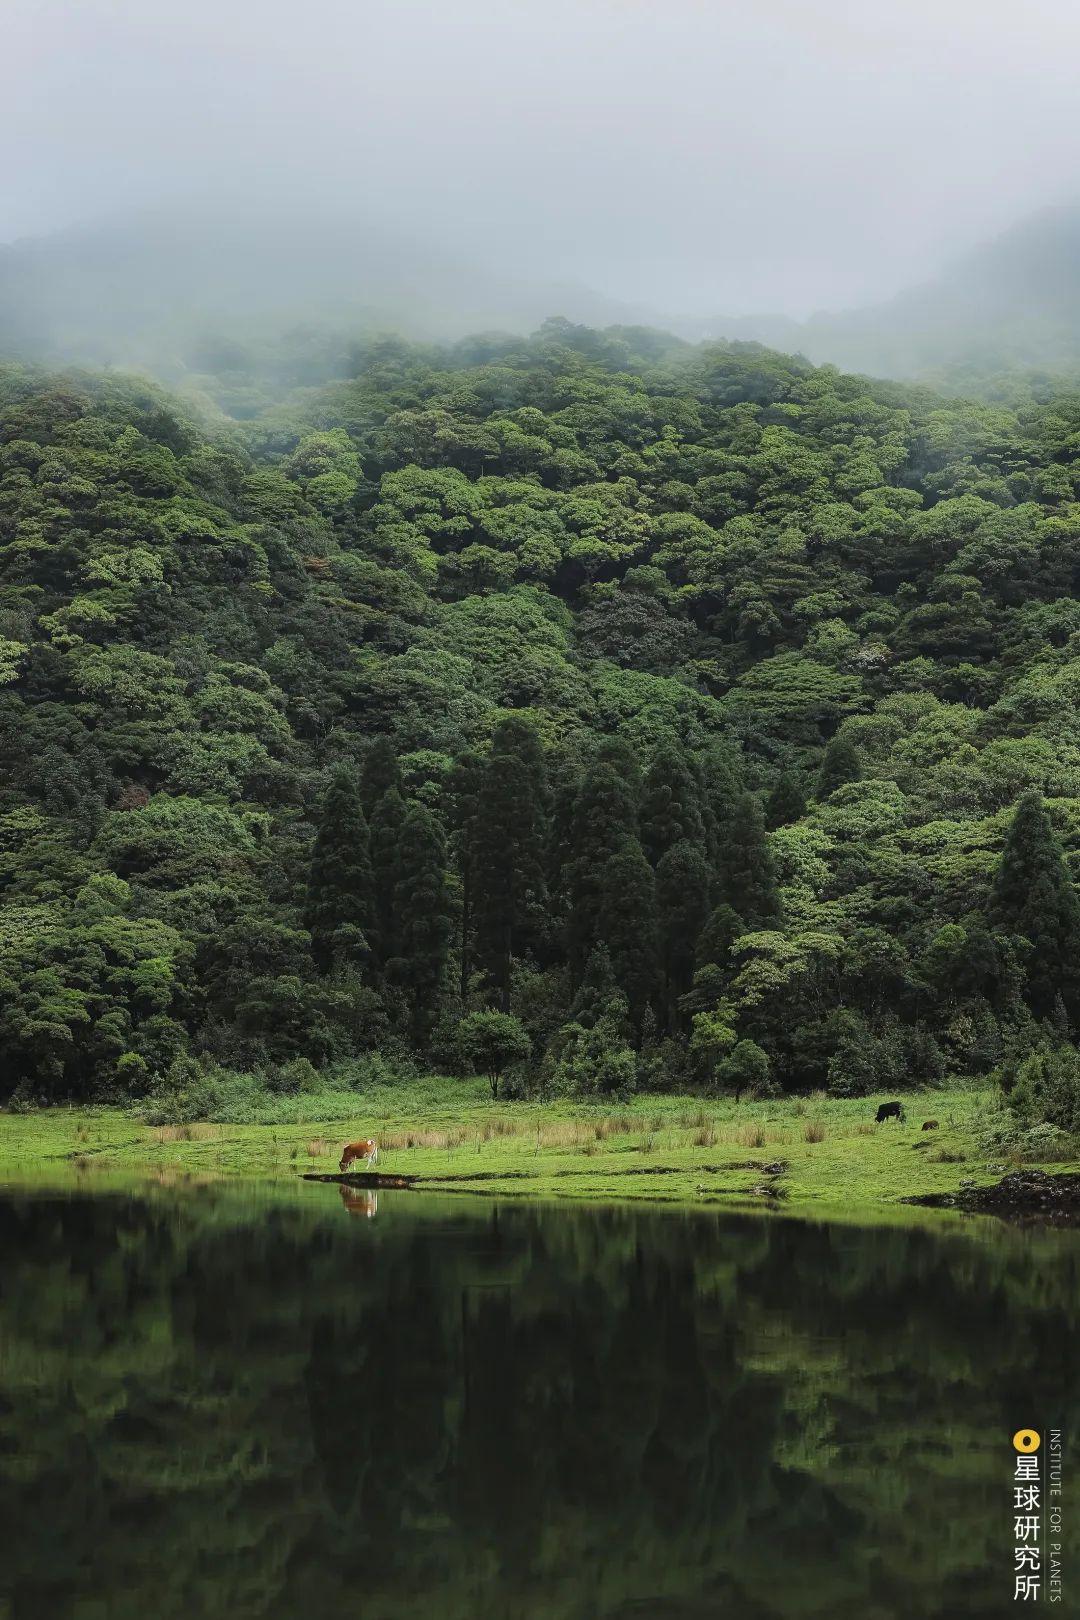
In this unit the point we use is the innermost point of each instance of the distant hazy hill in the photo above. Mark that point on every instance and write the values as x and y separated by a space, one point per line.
1013 302
150 290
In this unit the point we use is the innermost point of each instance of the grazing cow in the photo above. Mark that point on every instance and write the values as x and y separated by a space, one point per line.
891 1111
364 1149
930 1125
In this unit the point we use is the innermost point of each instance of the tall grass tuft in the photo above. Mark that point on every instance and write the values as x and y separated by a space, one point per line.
814 1131
184 1133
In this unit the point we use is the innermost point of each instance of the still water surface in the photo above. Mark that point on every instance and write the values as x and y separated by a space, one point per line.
245 1405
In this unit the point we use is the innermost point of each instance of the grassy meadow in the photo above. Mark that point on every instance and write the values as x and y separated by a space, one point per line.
449 1134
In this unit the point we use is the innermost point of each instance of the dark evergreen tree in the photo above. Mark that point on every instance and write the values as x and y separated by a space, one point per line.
463 795
599 995
424 917
509 852
378 773
840 765
670 804
605 813
717 771
338 910
786 803
1057 1024
387 822
963 964
682 903
747 882
617 752
564 786
924 1060
1033 896
628 926
852 1071
722 928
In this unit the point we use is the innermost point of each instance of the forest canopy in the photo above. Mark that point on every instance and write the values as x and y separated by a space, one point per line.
592 711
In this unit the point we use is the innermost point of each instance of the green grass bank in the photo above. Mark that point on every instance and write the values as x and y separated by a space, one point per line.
814 1155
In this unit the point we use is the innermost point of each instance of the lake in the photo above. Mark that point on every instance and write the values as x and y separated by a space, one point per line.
242 1402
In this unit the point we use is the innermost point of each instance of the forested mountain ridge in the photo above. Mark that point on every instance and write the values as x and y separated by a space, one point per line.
647 718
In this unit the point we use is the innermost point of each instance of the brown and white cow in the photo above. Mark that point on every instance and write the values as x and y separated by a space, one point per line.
364 1149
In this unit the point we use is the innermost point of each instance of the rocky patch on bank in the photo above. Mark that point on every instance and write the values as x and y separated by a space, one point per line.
1024 1195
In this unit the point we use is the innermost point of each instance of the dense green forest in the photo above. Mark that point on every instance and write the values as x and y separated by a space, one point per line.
593 711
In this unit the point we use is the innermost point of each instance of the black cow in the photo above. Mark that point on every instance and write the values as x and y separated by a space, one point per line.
891 1111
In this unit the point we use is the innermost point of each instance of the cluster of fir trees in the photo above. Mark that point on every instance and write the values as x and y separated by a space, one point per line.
579 886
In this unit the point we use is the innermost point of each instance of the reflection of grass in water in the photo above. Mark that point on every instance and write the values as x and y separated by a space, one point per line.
839 1159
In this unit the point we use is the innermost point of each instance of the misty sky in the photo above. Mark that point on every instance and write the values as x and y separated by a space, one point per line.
724 156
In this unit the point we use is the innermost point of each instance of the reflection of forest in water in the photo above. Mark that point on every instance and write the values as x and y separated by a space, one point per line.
467 1411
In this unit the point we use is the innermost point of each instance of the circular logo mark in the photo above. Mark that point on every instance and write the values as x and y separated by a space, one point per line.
1027 1440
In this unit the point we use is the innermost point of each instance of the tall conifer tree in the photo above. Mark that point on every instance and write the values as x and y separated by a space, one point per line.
509 852
786 803
722 928
387 823
565 784
378 772
617 752
840 765
424 916
605 813
339 908
747 882
464 794
628 926
682 903
670 804
1033 895
717 772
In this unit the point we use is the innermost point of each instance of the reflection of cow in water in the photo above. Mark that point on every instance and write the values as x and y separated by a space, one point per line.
894 1110
364 1149
359 1203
